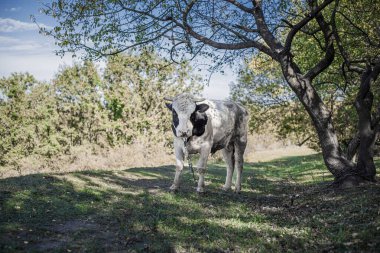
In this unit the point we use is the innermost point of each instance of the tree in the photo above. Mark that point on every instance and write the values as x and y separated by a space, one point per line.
232 28
28 119
361 66
261 82
135 86
272 104
82 117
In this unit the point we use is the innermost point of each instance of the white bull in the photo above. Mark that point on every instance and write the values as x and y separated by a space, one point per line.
204 127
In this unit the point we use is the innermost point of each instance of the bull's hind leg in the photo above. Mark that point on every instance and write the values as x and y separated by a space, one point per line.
228 155
240 146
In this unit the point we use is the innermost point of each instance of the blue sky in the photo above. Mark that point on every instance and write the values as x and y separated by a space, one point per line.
23 49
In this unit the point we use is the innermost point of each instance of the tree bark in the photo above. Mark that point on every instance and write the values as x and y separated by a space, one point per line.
334 158
353 146
368 129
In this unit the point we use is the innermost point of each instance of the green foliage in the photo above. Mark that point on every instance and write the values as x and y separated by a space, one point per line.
273 104
27 124
273 107
80 106
136 86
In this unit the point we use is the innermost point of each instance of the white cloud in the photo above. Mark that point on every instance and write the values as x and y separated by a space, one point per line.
13 9
5 40
218 87
21 47
11 44
43 66
13 25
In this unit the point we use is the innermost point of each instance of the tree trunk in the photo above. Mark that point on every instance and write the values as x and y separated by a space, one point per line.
365 162
337 163
368 129
353 146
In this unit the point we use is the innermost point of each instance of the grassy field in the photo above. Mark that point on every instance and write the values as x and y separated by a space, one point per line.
286 206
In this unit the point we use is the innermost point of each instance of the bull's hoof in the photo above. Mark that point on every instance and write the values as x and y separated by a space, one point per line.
237 191
226 189
201 191
173 189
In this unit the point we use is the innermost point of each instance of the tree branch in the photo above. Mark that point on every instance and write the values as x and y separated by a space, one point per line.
274 44
353 146
219 45
368 77
328 58
240 6
304 141
133 45
346 58
366 36
246 29
144 13
239 35
302 23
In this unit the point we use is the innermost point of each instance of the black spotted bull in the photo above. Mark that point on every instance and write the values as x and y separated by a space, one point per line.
204 127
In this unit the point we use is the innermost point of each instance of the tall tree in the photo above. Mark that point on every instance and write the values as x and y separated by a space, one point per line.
273 106
361 67
226 29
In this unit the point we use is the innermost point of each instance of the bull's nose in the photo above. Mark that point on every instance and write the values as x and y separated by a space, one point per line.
182 133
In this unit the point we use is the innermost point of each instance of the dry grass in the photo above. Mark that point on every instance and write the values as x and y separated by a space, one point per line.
268 155
265 147
143 153
86 157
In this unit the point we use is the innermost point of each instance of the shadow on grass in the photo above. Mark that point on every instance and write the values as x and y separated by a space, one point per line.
285 206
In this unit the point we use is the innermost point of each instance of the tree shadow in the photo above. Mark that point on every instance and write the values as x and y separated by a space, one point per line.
131 210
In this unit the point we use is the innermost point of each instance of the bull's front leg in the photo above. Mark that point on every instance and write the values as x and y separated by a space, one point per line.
179 156
201 167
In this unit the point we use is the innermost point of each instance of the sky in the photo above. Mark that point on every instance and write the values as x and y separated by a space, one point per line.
23 49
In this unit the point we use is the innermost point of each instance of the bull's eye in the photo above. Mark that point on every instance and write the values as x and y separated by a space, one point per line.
192 117
175 118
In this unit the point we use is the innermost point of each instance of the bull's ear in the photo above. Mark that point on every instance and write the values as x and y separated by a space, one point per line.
202 107
169 106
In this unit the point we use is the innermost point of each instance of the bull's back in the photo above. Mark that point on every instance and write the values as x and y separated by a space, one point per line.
229 120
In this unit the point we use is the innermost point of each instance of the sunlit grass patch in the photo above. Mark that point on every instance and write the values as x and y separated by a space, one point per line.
286 205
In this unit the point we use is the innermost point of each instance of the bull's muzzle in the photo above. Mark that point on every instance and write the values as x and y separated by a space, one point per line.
181 133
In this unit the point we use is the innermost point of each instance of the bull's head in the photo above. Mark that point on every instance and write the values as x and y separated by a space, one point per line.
189 118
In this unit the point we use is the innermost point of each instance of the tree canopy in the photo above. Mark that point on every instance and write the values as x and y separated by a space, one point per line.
262 85
110 27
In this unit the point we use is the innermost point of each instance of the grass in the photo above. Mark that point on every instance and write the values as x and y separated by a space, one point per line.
286 206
